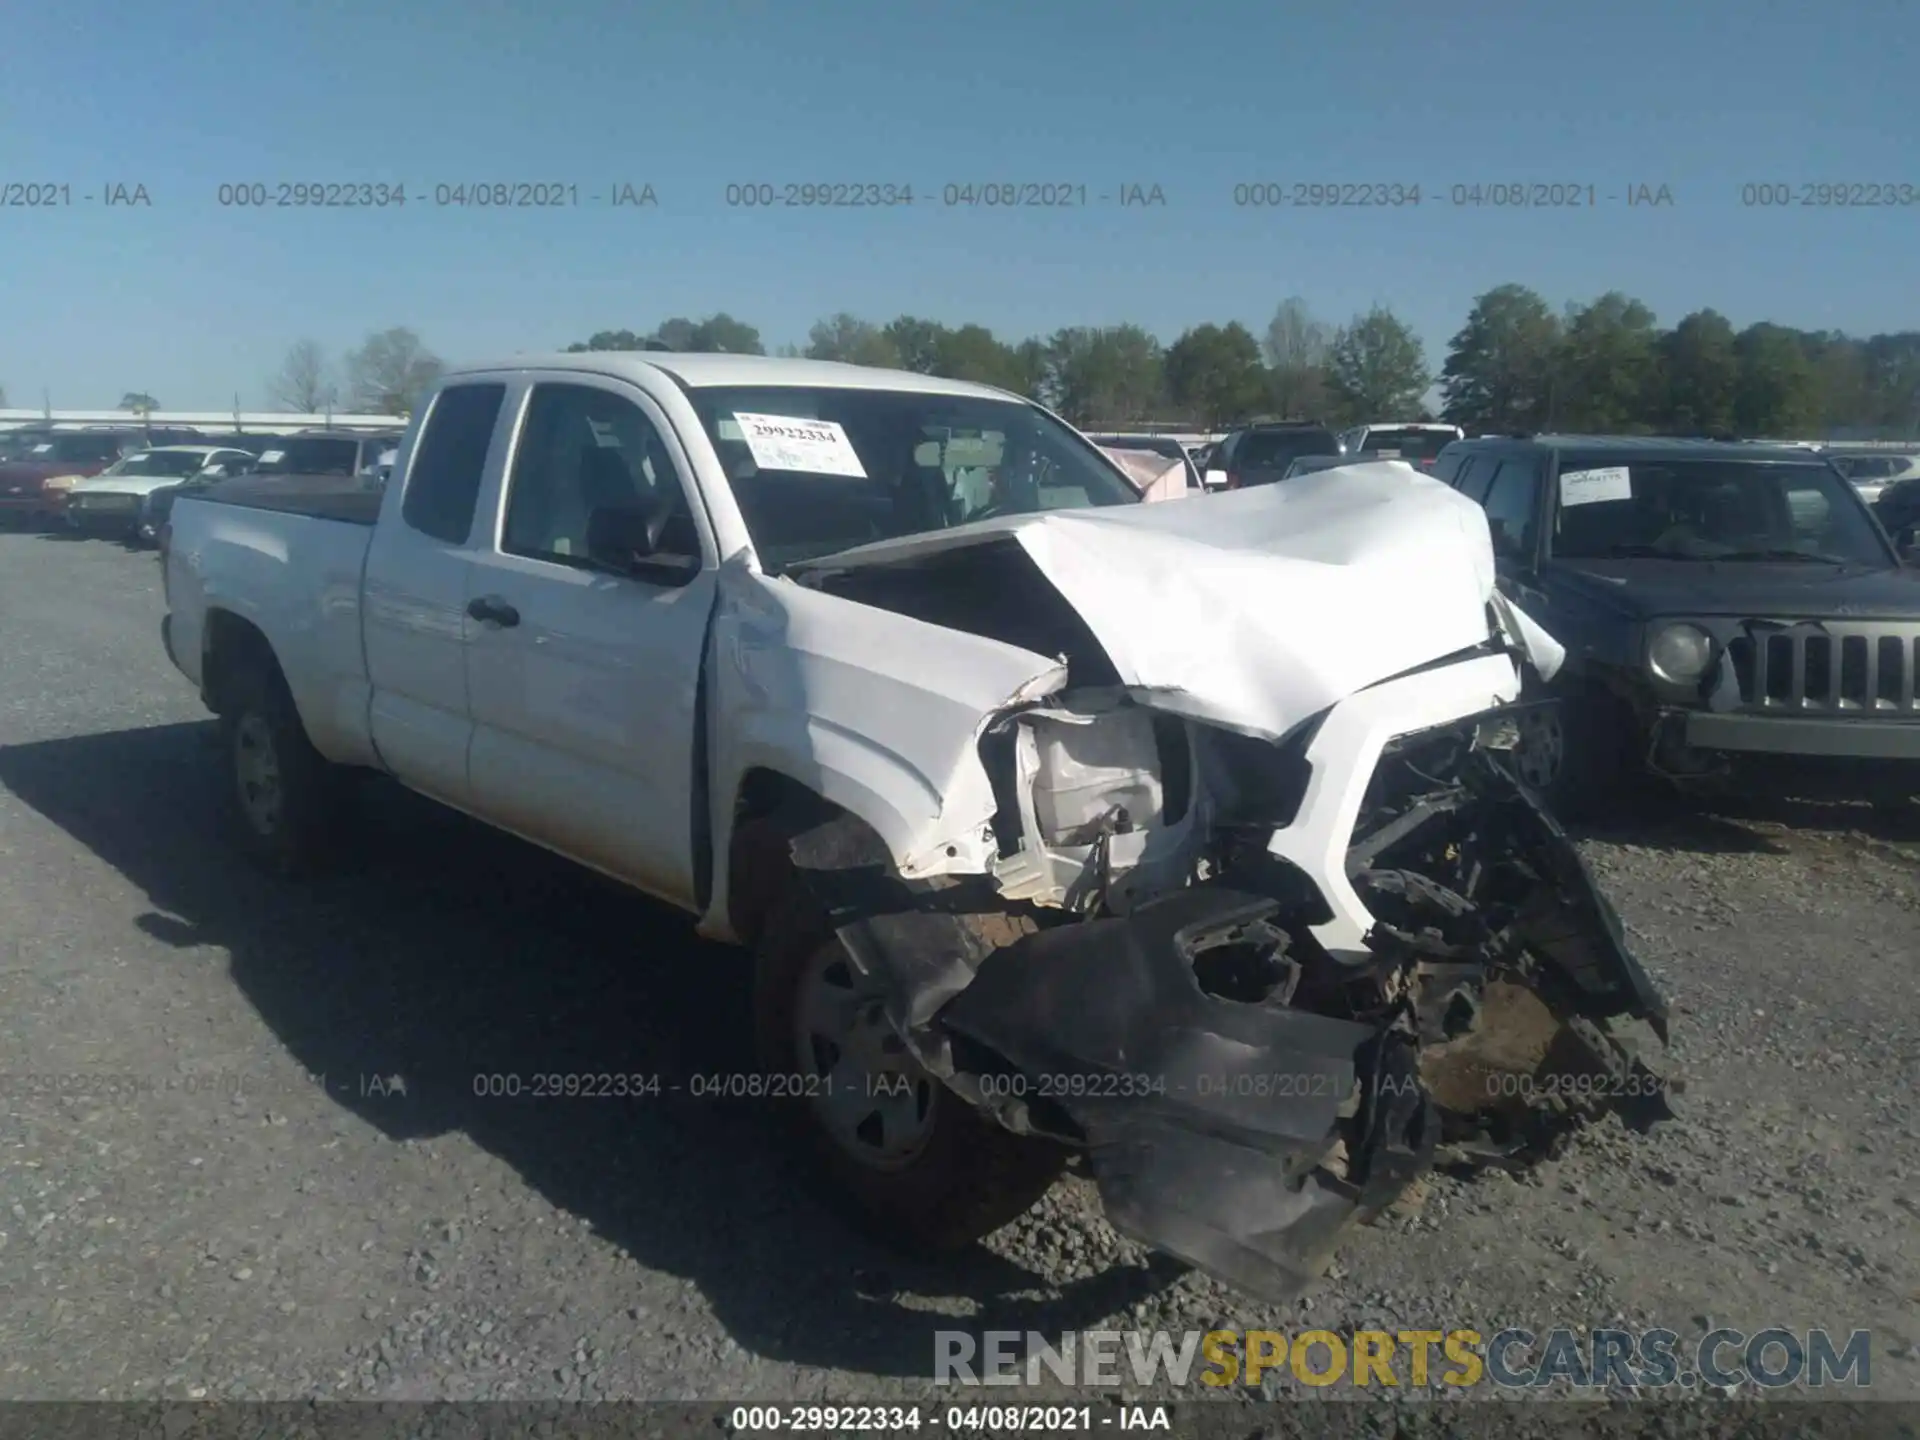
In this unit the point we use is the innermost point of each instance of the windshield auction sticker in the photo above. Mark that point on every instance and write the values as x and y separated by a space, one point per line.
812 447
1589 487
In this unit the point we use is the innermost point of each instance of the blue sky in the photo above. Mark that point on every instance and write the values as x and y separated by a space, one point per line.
192 301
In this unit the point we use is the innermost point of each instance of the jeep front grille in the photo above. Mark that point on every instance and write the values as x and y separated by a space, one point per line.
1827 669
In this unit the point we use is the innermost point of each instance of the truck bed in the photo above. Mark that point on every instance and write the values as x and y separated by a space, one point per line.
346 498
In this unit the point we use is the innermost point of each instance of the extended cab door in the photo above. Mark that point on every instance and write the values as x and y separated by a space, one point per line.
414 598
583 668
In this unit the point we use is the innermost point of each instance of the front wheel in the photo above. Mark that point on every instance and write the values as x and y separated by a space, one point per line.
1576 753
910 1160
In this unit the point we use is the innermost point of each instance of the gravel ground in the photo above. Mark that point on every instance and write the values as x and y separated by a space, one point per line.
303 1197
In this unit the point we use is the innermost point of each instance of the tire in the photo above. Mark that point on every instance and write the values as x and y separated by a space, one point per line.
1577 754
264 747
962 1178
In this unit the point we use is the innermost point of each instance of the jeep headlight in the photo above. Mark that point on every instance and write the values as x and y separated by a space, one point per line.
60 484
1680 653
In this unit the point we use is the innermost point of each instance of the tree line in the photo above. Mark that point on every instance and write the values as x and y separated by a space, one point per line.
1605 366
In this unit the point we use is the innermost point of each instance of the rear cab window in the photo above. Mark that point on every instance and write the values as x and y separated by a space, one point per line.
450 459
311 455
1276 449
1417 446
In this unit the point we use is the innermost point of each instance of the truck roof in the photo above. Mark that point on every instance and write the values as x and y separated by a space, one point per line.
703 371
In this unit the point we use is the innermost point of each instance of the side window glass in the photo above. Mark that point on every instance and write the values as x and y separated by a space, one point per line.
583 450
1447 467
443 479
1475 471
1510 509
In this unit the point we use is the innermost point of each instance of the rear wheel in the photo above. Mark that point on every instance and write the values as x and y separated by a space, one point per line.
284 797
905 1156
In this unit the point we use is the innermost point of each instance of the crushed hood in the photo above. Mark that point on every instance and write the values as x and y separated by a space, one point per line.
1259 608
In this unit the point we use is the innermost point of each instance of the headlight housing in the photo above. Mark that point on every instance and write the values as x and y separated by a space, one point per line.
1679 652
60 484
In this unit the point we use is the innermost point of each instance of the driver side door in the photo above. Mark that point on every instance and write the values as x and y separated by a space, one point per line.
583 683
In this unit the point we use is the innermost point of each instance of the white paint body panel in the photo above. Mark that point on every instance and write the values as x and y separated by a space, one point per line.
1260 608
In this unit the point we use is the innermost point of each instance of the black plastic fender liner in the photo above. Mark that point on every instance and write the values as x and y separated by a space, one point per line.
1261 1221
1581 934
1206 1119
1107 1017
913 935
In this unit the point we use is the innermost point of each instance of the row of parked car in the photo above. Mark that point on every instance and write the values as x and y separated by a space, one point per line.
121 482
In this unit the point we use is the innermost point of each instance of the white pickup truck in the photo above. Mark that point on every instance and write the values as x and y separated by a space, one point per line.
1175 834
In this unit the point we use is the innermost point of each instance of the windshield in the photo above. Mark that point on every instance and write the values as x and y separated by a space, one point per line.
309 455
1276 449
1710 510
77 449
816 471
159 462
1417 445
1172 449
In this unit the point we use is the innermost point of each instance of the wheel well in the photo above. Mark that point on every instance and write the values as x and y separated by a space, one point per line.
232 647
769 810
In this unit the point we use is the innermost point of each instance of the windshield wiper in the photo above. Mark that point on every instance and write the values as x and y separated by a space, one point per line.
1815 557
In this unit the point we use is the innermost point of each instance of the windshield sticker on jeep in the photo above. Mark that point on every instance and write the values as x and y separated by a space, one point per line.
812 447
1589 487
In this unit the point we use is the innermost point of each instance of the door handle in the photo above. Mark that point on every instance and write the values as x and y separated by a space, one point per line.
494 611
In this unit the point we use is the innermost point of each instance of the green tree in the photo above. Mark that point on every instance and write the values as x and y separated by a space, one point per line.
1498 374
1033 370
1377 367
917 342
139 402
1893 371
391 372
973 353
1699 374
608 340
1608 366
1296 352
718 333
1214 373
1104 376
1841 386
1774 390
850 339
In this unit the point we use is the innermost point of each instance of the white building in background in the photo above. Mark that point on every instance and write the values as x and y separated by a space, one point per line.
211 421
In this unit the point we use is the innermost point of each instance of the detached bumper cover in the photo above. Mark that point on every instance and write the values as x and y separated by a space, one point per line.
1218 1163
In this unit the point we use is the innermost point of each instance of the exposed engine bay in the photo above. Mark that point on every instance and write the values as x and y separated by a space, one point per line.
1264 981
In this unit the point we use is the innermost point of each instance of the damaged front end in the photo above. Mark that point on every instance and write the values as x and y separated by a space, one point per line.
1262 920
1244 1084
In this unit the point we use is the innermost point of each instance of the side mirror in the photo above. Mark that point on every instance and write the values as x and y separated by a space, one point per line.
627 539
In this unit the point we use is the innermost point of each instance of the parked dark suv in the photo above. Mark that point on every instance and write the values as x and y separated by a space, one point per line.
1721 603
1260 454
